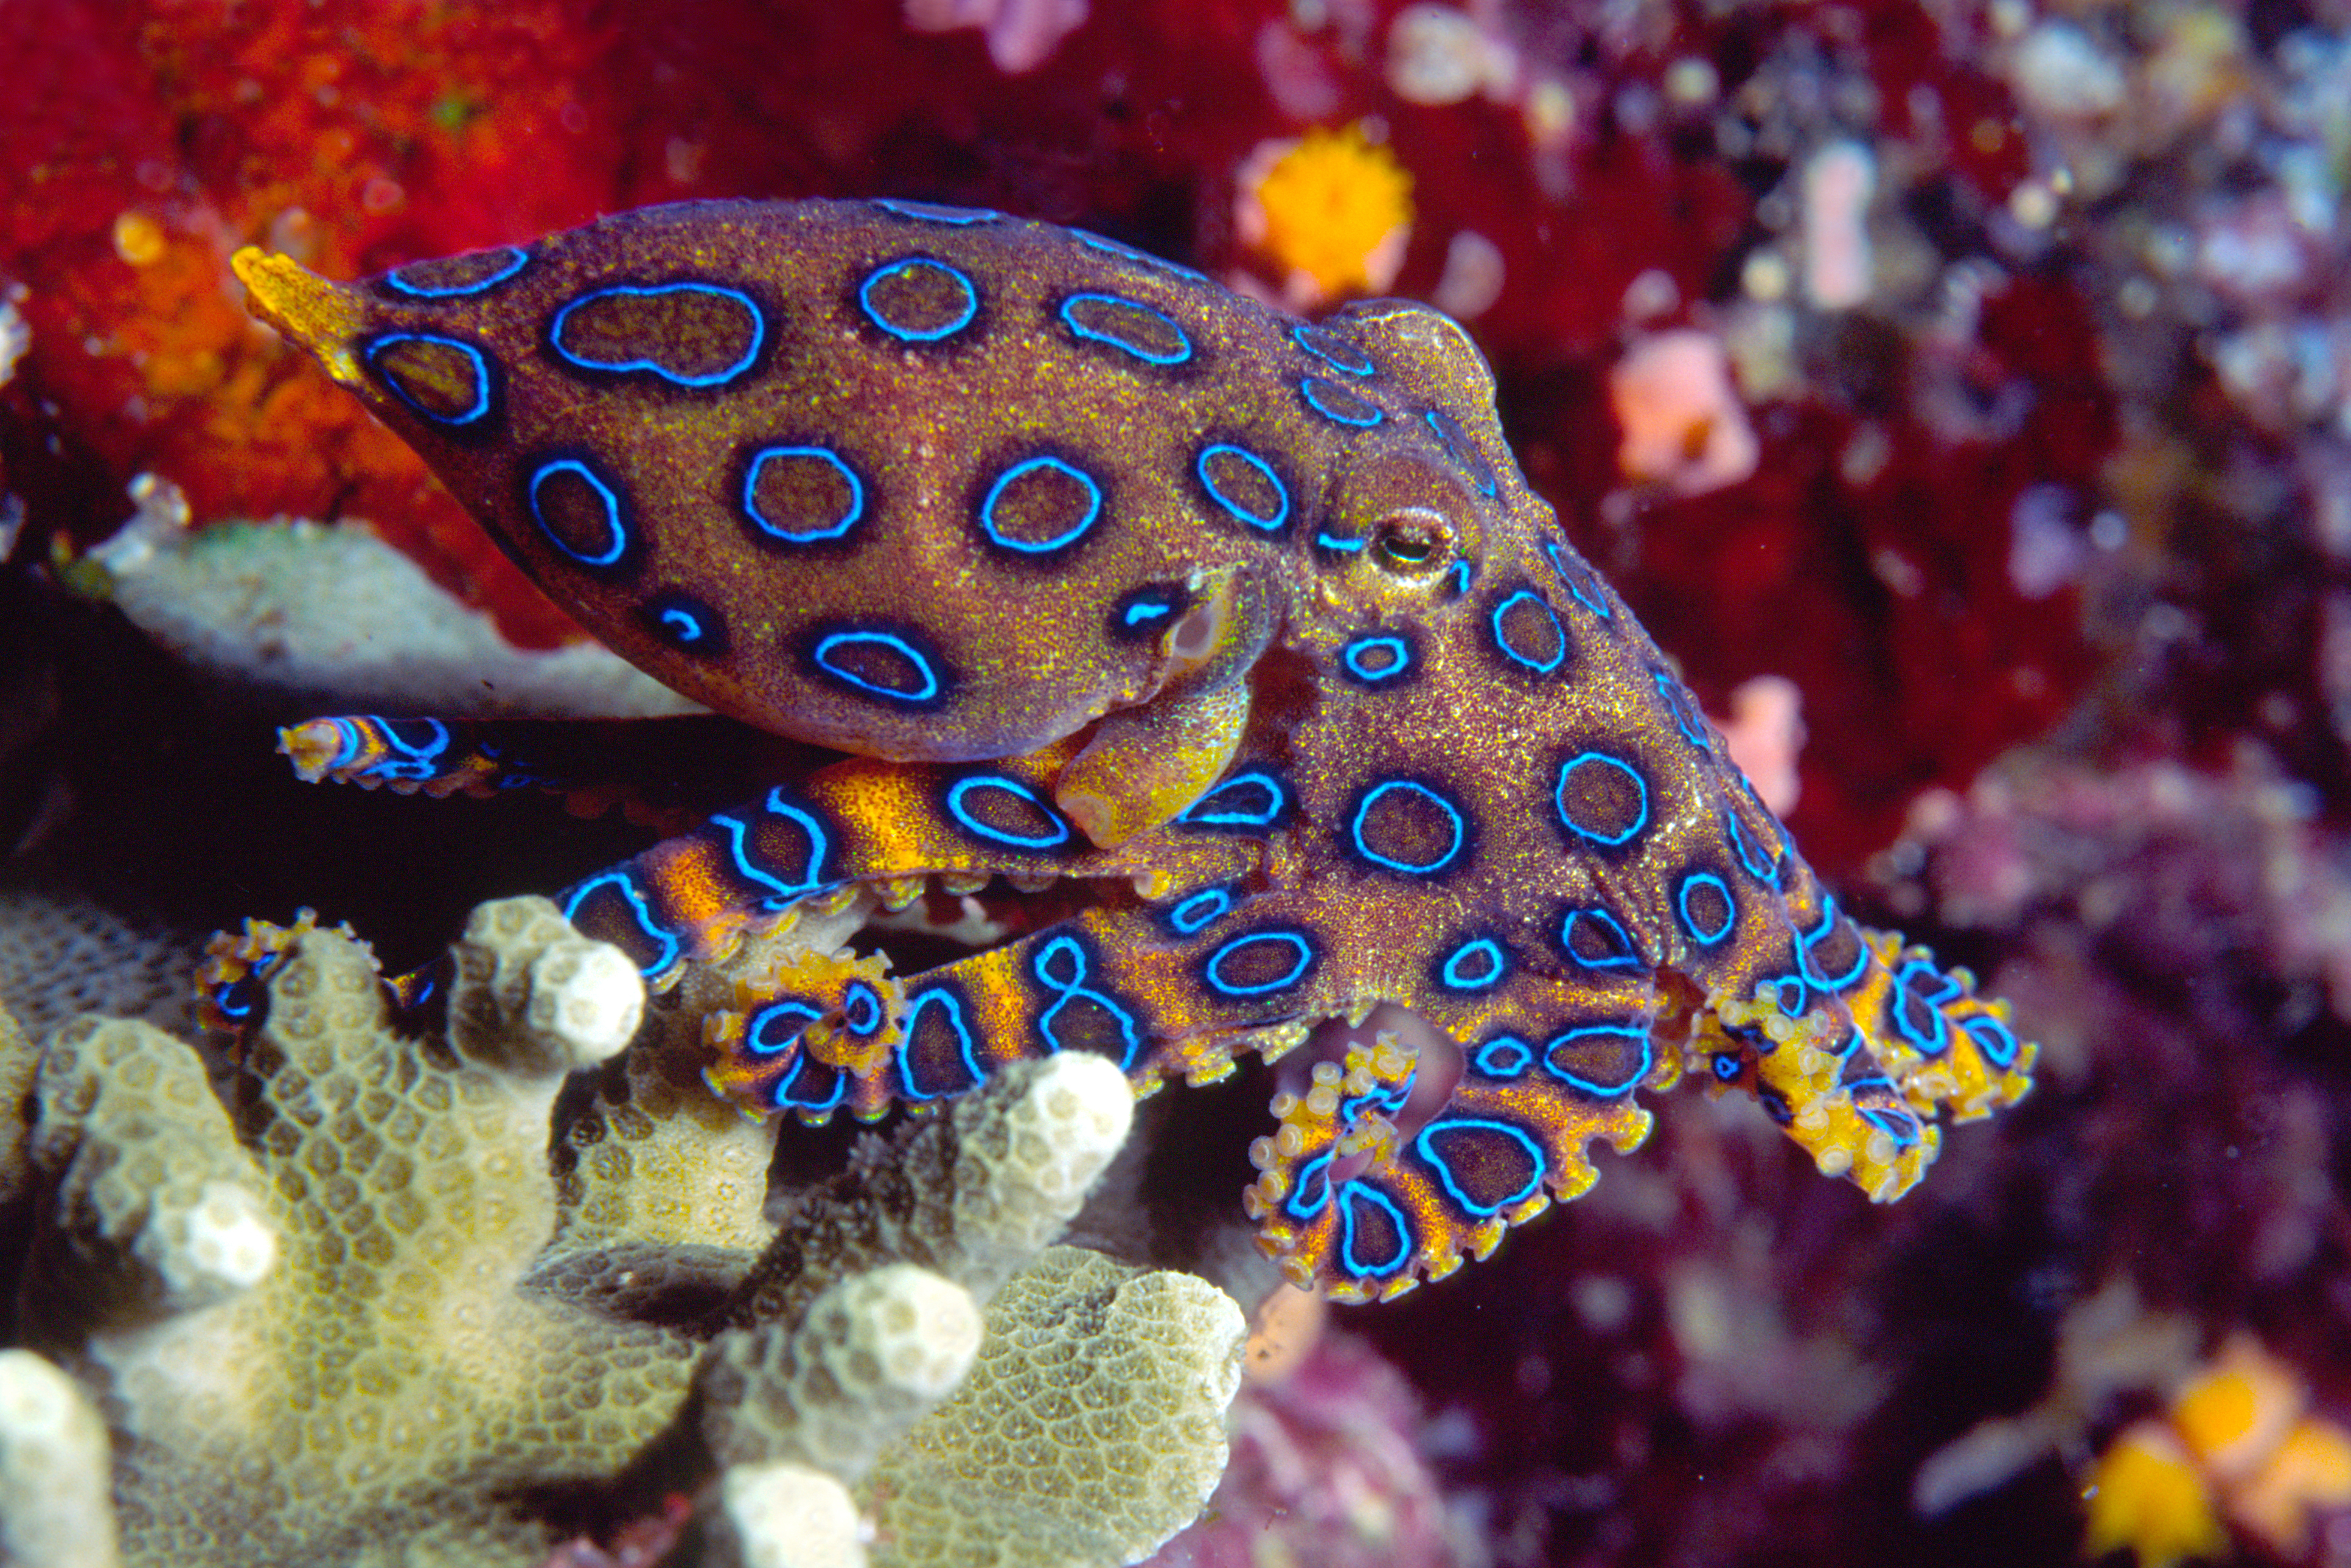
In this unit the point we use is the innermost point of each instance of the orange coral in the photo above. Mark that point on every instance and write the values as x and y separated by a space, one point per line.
1333 210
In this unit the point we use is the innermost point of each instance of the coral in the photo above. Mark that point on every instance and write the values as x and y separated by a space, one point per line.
62 955
1097 1382
347 1302
311 615
54 1510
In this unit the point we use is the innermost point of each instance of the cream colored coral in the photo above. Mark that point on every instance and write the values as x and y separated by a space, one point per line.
873 1355
1092 1429
788 1516
54 1511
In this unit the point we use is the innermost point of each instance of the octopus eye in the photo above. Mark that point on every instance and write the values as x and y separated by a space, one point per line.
1412 543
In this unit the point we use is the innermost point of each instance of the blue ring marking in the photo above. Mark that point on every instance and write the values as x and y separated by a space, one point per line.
1388 1103
1504 1056
635 901
1262 524
754 1033
1502 640
1806 941
1788 992
1559 801
1684 708
953 1006
1128 253
1768 872
683 623
1314 1174
936 213
1093 336
1205 812
618 367
861 1012
1380 1201
1993 1037
811 878
932 335
1480 1123
1628 959
1690 883
1905 993
783 1097
1430 868
1314 389
1060 541
417 291
1058 830
1942 988
1576 578
1146 608
1354 654
1606 1092
1199 910
1893 1122
1462 572
1728 1068
1073 989
826 646
612 512
848 518
422 757
1331 350
1332 542
350 734
1297 971
481 377
1463 451
1495 964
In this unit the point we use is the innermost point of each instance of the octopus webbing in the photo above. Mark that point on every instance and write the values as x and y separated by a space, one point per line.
1103 574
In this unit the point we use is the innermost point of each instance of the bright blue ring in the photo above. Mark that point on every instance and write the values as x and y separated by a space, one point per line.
1486 1062
1144 610
1682 902
861 1000
481 377
637 906
752 1031
833 531
612 512
1559 805
1632 954
1445 1172
1228 818
1199 910
783 1095
1606 1092
1503 641
1768 872
1307 390
1332 542
1128 253
1347 1259
970 295
1931 1044
1453 812
1308 1175
1264 525
1297 970
1044 546
418 760
689 629
2001 1048
887 639
1462 571
1071 989
1330 347
1900 1126
1092 336
521 259
934 213
1497 965
1805 942
956 792
1352 656
1458 446
914 1006
1575 581
715 379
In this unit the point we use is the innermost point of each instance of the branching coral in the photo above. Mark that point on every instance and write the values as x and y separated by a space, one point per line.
339 1305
